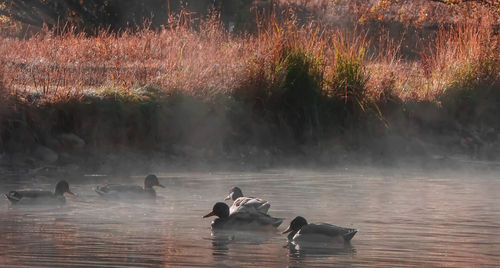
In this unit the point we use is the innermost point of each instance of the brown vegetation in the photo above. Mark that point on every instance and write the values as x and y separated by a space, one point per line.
210 59
309 80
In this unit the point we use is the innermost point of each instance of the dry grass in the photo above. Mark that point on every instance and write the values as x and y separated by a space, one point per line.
305 80
175 58
455 50
210 61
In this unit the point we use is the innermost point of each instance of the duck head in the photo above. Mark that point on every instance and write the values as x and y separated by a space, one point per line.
61 188
234 194
295 226
220 210
150 181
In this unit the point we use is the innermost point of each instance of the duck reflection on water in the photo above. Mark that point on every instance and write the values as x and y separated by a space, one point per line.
301 252
223 240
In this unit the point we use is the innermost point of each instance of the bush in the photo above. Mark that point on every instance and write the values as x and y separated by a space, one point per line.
474 95
349 77
300 89
294 90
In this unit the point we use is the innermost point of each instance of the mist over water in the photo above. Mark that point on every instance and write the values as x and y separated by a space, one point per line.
405 218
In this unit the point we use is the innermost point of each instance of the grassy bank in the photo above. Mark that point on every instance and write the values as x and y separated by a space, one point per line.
290 90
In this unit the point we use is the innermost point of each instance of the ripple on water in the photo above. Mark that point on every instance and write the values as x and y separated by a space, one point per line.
404 219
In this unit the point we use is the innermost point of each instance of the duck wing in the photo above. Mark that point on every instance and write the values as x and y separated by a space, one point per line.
250 205
328 230
256 220
118 188
33 197
125 192
265 218
15 196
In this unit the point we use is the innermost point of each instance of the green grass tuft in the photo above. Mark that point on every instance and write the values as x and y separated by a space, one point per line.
349 76
297 91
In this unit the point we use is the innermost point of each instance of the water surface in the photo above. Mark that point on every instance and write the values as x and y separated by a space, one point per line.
404 219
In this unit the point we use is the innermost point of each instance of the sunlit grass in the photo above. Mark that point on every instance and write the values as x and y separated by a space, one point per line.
290 82
210 61
303 74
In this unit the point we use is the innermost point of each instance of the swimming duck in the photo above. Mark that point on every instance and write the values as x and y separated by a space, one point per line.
130 191
241 220
301 231
246 204
40 196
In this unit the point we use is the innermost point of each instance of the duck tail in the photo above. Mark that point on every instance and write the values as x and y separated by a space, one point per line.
264 207
349 235
13 196
277 222
98 190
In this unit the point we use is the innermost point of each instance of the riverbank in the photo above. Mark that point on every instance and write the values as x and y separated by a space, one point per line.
109 134
291 94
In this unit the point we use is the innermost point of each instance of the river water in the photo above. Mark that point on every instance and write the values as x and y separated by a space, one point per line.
404 218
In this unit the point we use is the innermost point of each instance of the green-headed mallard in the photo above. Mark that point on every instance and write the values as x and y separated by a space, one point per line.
118 191
301 231
34 197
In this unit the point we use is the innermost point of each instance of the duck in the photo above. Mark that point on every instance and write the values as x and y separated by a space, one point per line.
246 204
303 232
34 197
130 191
241 220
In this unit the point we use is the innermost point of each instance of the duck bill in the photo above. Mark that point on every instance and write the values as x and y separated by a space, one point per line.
159 185
70 193
209 215
229 197
287 230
